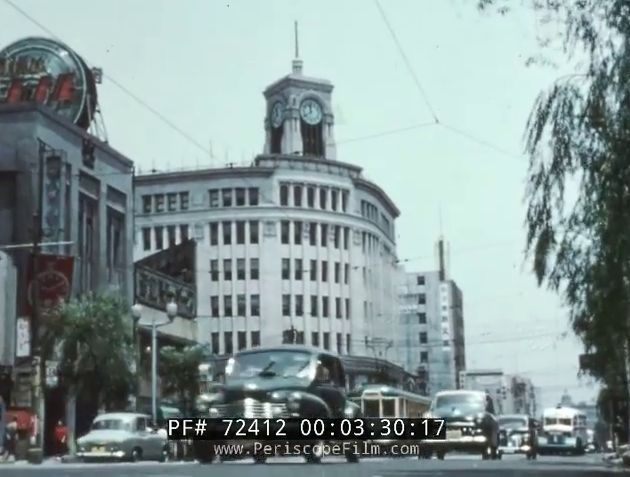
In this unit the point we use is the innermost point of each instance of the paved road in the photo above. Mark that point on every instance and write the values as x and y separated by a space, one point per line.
452 466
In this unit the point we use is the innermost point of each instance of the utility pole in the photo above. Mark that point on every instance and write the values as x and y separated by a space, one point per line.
39 365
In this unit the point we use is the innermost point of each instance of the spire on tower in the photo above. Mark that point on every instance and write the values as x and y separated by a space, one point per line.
297 62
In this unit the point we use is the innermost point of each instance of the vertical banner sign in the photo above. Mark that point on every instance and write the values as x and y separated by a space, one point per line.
52 198
23 341
54 281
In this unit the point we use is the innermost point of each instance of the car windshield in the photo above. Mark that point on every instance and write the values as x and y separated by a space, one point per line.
271 363
512 422
462 401
110 425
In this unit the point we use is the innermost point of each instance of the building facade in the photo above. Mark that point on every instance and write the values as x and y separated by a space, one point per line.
431 339
296 247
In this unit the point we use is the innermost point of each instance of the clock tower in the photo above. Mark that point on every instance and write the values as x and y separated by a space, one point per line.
299 118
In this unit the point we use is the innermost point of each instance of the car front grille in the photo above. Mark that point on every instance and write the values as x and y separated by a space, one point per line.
250 408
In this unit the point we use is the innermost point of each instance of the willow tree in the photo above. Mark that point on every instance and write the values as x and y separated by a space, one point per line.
578 191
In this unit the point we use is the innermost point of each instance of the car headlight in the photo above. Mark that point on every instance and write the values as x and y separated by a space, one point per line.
213 411
477 420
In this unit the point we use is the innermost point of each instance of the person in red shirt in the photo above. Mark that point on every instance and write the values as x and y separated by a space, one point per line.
61 438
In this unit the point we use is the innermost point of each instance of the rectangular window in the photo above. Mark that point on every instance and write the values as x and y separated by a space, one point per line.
284 194
286 269
215 342
242 340
300 337
310 196
337 236
255 339
312 234
214 270
334 197
214 306
213 195
159 238
326 340
227 269
298 269
240 232
253 232
339 343
315 338
424 357
299 305
147 202
346 273
420 280
171 233
286 305
227 305
227 233
171 200
146 238
183 232
240 197
422 299
422 318
338 311
227 337
423 338
323 193
347 308
297 233
324 271
325 306
337 272
214 233
241 305
313 270
227 197
240 269
324 237
344 201
253 195
314 311
284 231
254 305
183 200
297 196
254 272
159 203
348 344
346 237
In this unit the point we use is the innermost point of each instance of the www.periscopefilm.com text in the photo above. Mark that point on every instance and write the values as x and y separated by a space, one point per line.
364 448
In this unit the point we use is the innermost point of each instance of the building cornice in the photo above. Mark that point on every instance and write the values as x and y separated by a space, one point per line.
361 183
203 174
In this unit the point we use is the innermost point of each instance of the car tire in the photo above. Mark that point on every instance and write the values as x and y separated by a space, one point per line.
312 458
202 453
165 456
441 455
425 455
260 458
352 458
136 454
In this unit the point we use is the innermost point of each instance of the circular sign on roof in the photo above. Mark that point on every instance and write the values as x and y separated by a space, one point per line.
46 71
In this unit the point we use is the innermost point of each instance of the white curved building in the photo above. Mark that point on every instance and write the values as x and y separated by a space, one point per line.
296 246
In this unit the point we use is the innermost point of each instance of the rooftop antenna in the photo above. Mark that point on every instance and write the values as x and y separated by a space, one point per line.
297 62
440 220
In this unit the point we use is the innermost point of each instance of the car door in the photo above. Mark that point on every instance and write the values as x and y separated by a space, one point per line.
327 385
144 437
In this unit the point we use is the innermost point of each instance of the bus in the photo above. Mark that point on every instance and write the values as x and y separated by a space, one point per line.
564 430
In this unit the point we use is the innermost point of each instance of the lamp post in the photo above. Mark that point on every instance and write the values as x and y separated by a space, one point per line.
171 313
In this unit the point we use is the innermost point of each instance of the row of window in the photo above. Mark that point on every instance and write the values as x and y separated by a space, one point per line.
340 236
171 202
314 196
298 270
241 341
239 197
298 301
423 339
153 238
241 269
370 212
241 233
241 306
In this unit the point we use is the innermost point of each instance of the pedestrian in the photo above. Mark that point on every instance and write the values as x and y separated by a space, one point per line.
61 439
10 439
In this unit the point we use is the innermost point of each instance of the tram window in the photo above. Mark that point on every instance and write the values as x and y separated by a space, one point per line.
389 408
371 409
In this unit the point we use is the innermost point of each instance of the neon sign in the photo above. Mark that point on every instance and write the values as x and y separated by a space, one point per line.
49 73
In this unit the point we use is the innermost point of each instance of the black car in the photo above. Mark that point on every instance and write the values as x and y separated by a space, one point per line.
471 425
518 434
287 381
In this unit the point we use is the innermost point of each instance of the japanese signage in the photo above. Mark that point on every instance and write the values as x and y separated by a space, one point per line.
155 289
48 72
23 341
54 281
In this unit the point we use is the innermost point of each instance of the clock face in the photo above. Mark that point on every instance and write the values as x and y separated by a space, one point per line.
311 111
277 114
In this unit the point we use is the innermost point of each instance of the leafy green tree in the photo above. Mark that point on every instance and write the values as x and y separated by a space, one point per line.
91 338
578 141
179 370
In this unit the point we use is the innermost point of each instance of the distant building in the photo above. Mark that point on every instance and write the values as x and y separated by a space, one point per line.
431 342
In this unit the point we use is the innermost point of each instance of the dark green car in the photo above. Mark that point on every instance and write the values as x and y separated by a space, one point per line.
288 381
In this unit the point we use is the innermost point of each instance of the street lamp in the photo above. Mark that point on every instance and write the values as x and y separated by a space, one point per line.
171 313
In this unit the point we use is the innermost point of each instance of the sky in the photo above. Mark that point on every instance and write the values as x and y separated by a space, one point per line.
203 64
